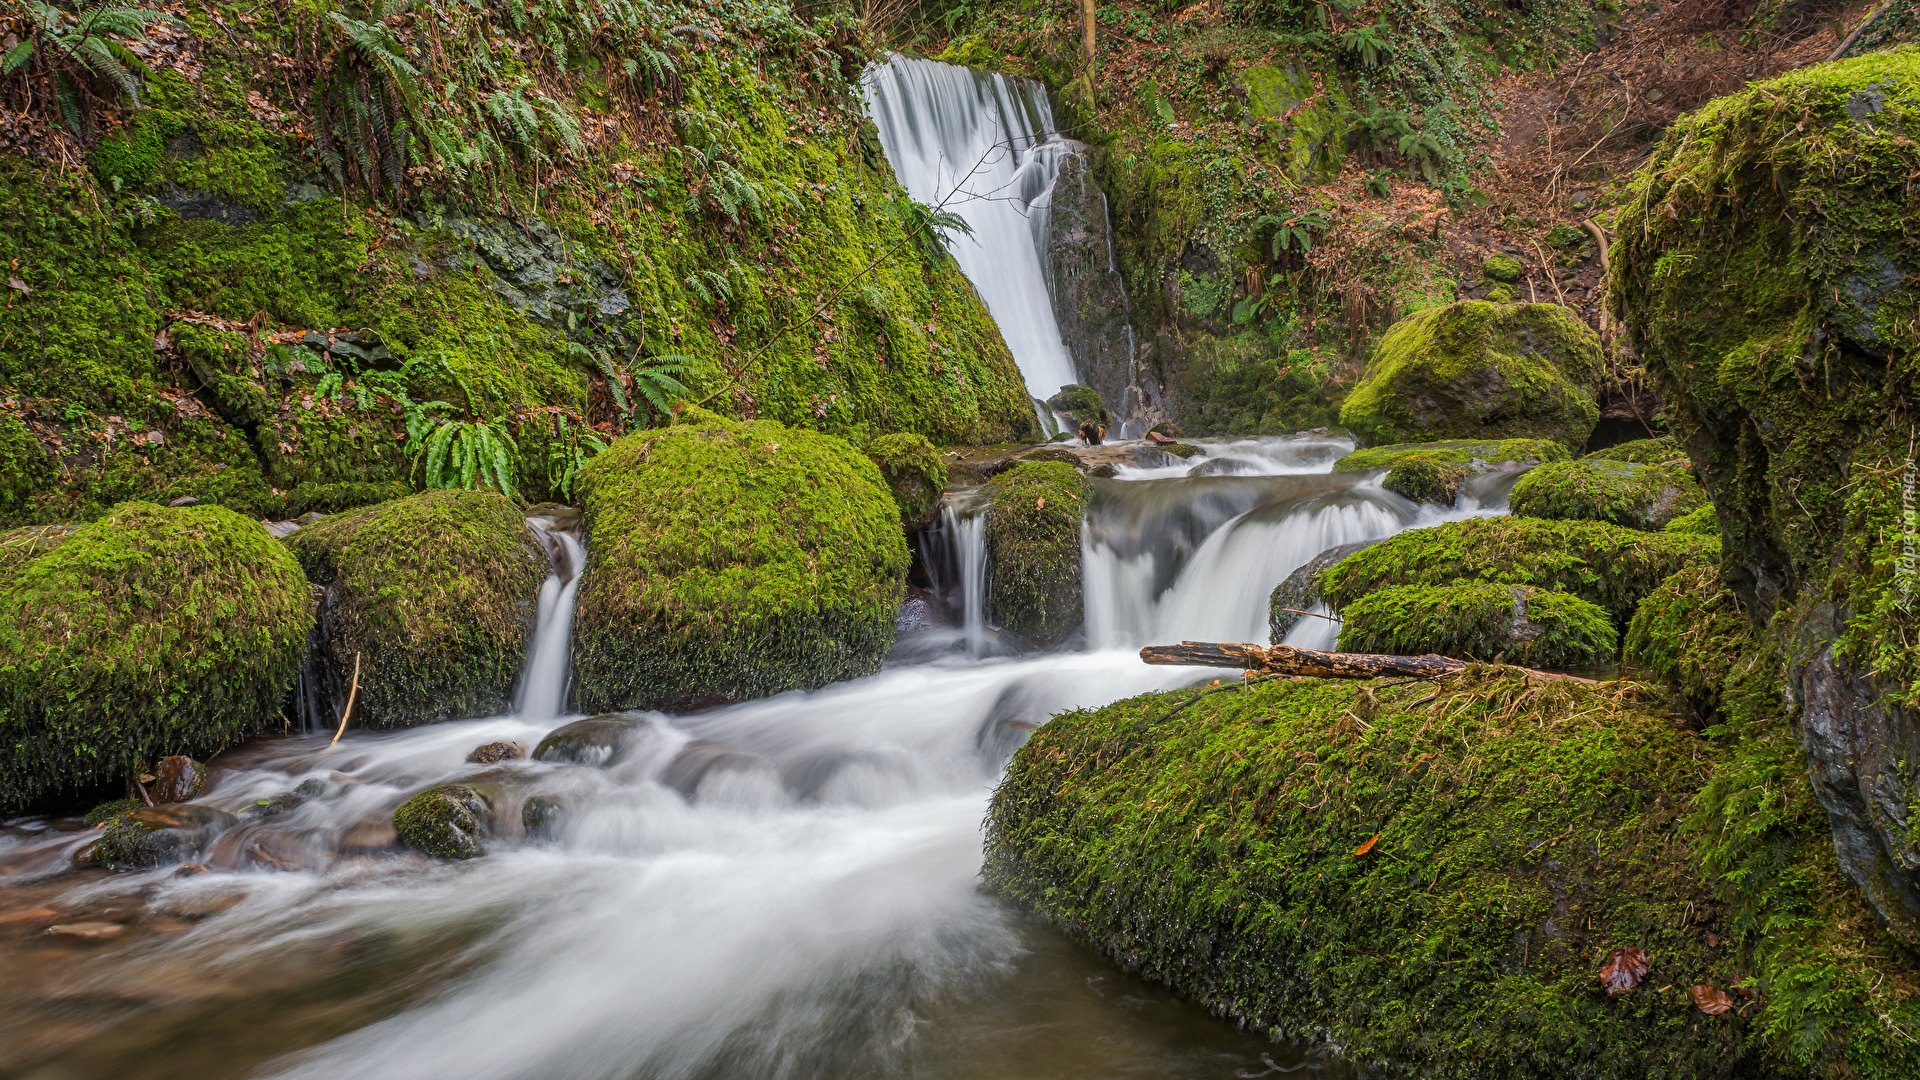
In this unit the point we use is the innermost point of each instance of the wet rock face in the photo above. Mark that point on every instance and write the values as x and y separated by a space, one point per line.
1090 296
159 835
447 822
1301 590
178 779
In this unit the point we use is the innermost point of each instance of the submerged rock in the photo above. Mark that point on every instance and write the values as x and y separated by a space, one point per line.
731 561
158 835
1596 489
447 822
152 631
1434 472
1480 621
1033 550
542 816
1477 370
435 593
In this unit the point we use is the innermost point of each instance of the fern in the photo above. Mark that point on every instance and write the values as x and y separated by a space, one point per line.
929 229
468 453
95 44
658 381
568 452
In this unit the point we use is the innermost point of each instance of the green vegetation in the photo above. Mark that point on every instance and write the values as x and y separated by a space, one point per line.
1480 621
1691 633
1480 370
1606 565
914 473
1661 451
732 560
447 822
1701 522
1033 550
1596 489
153 631
1433 472
435 595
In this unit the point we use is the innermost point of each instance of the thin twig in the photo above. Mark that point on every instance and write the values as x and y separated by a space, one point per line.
352 693
1315 614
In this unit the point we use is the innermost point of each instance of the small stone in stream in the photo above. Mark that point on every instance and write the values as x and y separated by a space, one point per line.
190 869
1168 429
156 835
495 752
446 822
1158 439
274 804
542 817
594 741
178 779
92 931
107 811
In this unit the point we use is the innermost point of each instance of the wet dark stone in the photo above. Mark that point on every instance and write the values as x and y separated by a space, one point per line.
447 822
495 752
1301 590
159 835
596 740
542 816
178 779
703 759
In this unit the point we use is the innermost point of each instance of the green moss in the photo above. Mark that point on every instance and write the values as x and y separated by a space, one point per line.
1504 268
447 822
1480 370
1692 633
153 631
1480 621
1701 522
1429 881
914 472
1603 564
18 547
1033 550
1661 451
1622 492
1235 389
1433 472
435 594
107 811
126 161
26 468
733 560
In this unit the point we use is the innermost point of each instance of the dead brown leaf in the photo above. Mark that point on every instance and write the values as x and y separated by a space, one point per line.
1366 847
1623 971
1712 1000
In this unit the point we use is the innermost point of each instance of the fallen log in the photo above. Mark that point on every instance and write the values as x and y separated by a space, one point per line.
1287 660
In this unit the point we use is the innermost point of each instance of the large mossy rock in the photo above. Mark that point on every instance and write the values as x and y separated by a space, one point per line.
1626 493
1476 370
152 631
729 561
1606 565
435 593
1768 274
1433 472
1033 550
1430 881
1480 621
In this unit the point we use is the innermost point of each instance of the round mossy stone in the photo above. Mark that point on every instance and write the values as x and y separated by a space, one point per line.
729 561
1033 550
447 822
1607 565
435 592
1480 621
1477 370
1503 267
1622 492
914 473
149 632
159 835
1433 472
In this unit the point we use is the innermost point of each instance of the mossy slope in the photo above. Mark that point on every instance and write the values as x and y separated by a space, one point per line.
435 594
153 631
729 561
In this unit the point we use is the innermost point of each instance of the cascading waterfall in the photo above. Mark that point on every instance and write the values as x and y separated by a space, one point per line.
543 684
982 145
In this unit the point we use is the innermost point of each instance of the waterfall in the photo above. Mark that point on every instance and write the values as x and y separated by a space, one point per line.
982 145
543 685
957 567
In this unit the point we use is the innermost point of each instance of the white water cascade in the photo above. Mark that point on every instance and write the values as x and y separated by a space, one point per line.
982 145
543 686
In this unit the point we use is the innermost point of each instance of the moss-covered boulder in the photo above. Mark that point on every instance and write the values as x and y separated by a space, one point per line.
914 473
1480 620
1429 881
730 561
1082 405
1476 370
1502 267
1433 472
152 631
1033 550
1664 450
435 594
159 835
1626 493
1604 564
446 822
1300 590
1691 633
1768 275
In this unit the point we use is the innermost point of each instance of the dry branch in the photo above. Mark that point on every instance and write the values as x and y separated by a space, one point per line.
1287 660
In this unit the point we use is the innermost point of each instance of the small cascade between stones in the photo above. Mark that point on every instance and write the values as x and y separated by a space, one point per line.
543 684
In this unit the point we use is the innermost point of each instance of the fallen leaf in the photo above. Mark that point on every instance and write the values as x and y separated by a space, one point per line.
1039 504
16 283
1366 847
1623 971
1712 1000
1713 940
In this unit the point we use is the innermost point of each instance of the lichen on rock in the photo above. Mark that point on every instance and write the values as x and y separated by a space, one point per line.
1480 621
729 561
1033 550
1626 493
1476 370
152 631
435 594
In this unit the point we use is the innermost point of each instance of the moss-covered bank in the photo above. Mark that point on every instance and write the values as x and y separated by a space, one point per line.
1033 550
1430 882
1598 489
729 561
150 632
434 593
